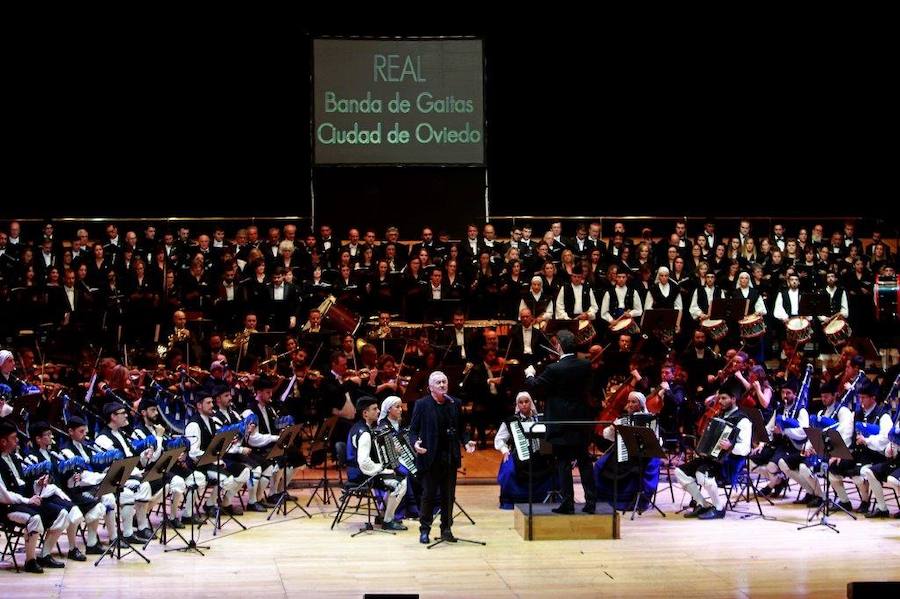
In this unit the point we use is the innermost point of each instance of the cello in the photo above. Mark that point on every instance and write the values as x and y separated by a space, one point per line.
613 407
715 409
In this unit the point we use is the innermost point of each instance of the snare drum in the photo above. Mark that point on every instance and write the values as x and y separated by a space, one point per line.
838 332
752 326
798 330
627 325
715 328
586 332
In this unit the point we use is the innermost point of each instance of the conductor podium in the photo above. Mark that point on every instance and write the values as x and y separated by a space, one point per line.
547 526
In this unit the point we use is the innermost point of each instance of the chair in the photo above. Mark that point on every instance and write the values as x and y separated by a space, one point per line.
362 492
13 533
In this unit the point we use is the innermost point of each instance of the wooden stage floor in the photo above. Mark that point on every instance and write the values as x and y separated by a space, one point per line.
656 557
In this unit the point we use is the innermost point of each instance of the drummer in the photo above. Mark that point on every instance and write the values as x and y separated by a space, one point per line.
621 302
787 301
576 300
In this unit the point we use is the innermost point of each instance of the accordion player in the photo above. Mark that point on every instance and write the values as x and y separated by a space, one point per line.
722 452
518 450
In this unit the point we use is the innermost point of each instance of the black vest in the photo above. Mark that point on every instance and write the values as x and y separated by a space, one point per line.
569 299
614 299
662 302
752 296
835 300
786 303
125 449
862 453
270 414
206 435
702 300
9 478
353 471
88 452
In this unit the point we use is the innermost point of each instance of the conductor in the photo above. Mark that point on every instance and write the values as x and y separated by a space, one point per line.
435 435
566 383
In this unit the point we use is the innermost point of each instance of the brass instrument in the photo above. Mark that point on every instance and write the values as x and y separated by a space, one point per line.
239 340
177 337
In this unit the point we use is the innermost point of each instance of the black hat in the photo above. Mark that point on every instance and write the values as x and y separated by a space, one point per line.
870 388
858 361
113 407
792 384
829 387
6 427
576 269
364 402
263 382
36 429
74 422
218 390
199 397
147 403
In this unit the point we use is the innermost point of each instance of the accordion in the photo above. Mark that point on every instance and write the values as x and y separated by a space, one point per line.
393 450
717 431
638 419
520 440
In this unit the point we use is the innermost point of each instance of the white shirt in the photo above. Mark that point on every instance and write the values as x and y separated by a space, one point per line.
70 296
461 341
473 243
620 294
436 292
229 291
781 312
695 306
578 308
648 303
526 339
845 311
278 293
760 306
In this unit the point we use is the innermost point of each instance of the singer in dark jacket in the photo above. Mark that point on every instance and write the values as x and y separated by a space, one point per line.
567 382
436 436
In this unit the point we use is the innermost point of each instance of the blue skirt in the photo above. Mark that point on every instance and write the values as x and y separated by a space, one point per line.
629 485
513 490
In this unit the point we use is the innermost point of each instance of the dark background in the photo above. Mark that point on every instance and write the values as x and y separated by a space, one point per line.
194 117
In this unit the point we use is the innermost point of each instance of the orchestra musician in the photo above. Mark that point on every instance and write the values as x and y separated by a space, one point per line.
867 450
705 472
363 462
617 465
513 473
25 504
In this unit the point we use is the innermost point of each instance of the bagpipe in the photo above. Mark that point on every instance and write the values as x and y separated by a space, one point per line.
894 434
802 401
827 423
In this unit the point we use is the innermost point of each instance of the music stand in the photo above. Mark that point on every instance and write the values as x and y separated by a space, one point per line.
731 309
114 482
323 436
642 446
450 473
759 435
657 321
827 444
286 440
157 471
814 304
441 310
258 342
216 450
